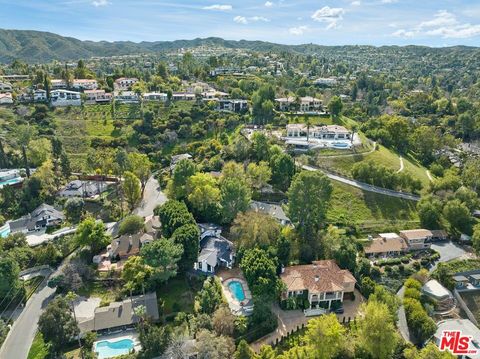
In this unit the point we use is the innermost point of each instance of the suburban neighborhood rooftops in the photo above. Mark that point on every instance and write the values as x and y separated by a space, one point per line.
386 244
38 218
460 278
273 210
218 246
416 233
325 128
388 235
320 276
434 289
122 313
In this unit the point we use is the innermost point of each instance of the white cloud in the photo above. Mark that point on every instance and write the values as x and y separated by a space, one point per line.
259 18
356 3
218 7
269 4
299 30
98 3
443 24
389 1
241 20
329 15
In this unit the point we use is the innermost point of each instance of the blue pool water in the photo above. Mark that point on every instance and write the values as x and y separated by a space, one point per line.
108 349
10 181
4 231
340 144
237 290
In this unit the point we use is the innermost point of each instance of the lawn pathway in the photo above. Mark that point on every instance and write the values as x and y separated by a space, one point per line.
401 164
429 175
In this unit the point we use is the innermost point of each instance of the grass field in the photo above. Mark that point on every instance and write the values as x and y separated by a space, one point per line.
370 211
39 349
177 296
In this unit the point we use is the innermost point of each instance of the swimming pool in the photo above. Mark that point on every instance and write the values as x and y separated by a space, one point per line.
341 145
11 181
4 231
110 349
236 289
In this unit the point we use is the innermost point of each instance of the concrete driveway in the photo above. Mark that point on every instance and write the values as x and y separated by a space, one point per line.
448 251
152 197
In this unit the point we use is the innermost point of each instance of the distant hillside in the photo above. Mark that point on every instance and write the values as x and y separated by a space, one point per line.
37 46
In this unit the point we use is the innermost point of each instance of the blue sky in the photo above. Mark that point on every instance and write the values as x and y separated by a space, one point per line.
374 22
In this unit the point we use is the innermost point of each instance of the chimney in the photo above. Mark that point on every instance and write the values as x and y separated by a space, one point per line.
317 278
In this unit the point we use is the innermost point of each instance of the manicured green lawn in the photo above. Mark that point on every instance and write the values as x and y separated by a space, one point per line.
177 296
370 211
38 350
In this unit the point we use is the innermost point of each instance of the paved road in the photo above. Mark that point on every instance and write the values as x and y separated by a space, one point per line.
21 334
365 186
448 251
152 197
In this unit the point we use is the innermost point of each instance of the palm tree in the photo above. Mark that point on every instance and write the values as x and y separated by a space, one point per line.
308 123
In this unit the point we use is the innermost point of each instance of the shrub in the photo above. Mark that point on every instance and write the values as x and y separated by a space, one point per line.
131 225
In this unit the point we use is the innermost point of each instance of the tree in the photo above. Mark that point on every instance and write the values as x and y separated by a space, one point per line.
235 197
92 234
253 229
209 298
258 175
325 337
140 166
308 198
203 196
430 351
346 255
283 170
131 225
132 190
10 285
470 173
223 321
476 239
335 106
430 212
176 188
260 146
74 209
57 324
24 135
458 215
136 273
173 215
243 351
260 270
376 332
188 237
154 339
210 346
162 255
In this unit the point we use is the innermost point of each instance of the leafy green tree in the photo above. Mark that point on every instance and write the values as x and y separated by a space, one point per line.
74 209
140 165
176 187
136 273
188 236
92 234
235 197
335 106
57 324
10 285
258 175
162 255
325 337
252 229
476 239
346 255
430 351
458 215
243 351
131 225
260 146
260 270
132 189
154 339
173 215
204 196
283 170
210 297
223 321
376 332
210 346
430 212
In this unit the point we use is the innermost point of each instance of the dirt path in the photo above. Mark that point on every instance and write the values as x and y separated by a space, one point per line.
401 164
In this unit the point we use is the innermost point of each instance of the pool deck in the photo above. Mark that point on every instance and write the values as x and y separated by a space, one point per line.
115 337
238 308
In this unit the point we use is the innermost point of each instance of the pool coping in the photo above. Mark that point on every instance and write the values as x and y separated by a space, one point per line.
235 305
115 337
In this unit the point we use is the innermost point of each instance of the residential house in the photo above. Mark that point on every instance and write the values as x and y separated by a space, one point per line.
469 280
155 96
120 315
40 95
65 98
325 81
215 252
177 158
125 83
322 283
183 96
236 106
323 133
128 245
58 84
285 103
84 84
6 87
83 189
417 239
213 94
303 104
209 230
310 104
441 297
126 97
439 235
466 328
6 98
97 96
42 217
274 210
386 245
